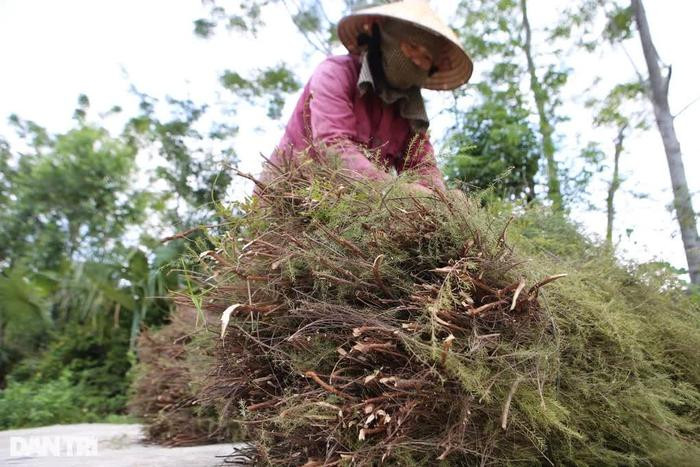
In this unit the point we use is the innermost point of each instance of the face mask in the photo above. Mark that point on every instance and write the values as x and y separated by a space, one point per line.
399 70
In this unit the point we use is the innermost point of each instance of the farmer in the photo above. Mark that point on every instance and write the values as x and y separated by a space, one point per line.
366 107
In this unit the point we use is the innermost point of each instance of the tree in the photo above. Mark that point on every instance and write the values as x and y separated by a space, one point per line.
309 16
70 196
192 160
24 317
658 88
623 111
69 203
620 19
270 85
494 146
542 101
499 32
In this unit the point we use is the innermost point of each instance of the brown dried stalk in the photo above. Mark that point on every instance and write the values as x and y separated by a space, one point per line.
263 405
485 308
546 281
377 276
326 386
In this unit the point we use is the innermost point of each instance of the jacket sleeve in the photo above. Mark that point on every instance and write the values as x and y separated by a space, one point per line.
419 158
332 117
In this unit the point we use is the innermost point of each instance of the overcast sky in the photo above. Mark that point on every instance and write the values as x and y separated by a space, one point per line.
52 51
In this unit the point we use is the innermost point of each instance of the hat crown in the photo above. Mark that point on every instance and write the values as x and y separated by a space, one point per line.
418 12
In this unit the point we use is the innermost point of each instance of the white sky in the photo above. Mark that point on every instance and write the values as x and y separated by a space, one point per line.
51 51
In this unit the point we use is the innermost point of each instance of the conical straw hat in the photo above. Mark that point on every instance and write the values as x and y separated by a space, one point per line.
417 13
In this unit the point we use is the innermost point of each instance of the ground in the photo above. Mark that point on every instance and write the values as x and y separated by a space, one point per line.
117 446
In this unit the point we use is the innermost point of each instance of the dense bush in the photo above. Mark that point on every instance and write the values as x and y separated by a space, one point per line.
80 377
36 403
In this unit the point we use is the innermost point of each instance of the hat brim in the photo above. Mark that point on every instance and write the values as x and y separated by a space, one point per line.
461 66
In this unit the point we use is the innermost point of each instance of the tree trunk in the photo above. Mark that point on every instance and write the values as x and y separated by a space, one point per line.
554 189
664 120
614 185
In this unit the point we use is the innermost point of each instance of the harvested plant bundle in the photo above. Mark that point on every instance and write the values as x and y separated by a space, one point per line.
173 364
367 324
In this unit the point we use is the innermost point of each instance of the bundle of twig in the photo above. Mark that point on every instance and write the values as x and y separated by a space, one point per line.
365 324
173 364
371 325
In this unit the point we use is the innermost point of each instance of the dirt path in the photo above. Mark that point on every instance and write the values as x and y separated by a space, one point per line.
99 445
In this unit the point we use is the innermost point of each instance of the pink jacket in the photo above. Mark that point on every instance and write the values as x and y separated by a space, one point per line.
332 112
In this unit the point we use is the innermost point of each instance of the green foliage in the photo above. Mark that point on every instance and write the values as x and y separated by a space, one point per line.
581 23
83 105
36 136
34 403
204 28
97 364
69 202
81 377
590 163
5 156
194 172
619 26
101 295
577 23
623 110
24 318
244 17
495 146
309 17
624 106
71 194
308 20
498 32
270 85
67 256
